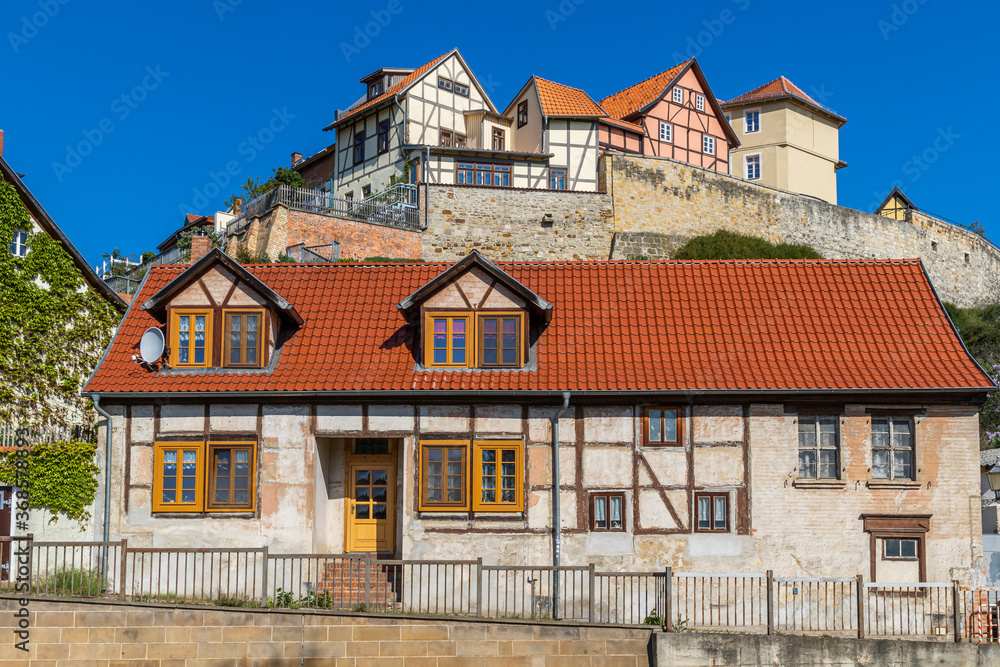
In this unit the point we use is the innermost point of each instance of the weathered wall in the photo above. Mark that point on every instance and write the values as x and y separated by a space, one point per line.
506 224
690 649
113 635
659 204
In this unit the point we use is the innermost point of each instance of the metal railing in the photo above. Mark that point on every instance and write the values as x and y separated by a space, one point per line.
122 284
735 602
302 253
396 206
15 436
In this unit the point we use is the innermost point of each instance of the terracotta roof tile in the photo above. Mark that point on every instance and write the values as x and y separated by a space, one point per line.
779 88
626 102
407 80
623 124
559 100
672 325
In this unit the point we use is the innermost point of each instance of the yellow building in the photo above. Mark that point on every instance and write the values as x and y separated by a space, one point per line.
788 140
896 205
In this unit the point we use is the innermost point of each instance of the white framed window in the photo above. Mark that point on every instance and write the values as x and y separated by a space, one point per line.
19 244
751 121
892 448
678 95
897 548
708 145
752 170
699 102
819 447
666 132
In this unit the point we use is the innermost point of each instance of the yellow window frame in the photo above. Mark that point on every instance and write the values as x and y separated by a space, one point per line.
470 362
161 449
251 504
499 315
227 337
443 506
499 446
175 336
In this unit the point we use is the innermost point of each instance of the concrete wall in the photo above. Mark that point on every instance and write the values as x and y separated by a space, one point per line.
106 635
506 224
659 204
725 650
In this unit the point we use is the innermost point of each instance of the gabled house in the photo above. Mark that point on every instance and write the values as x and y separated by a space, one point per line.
673 114
788 140
895 205
671 413
193 223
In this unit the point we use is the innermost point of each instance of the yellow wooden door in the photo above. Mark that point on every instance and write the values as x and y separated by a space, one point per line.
371 507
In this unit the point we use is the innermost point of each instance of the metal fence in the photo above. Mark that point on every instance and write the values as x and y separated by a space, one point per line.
15 436
676 601
302 253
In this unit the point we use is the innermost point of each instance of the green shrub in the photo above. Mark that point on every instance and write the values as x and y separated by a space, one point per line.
980 331
728 245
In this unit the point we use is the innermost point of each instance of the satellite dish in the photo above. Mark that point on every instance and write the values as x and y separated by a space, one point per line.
151 345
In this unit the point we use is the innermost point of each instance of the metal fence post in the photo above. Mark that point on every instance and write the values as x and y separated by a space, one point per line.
263 577
590 611
666 600
121 583
861 607
770 602
31 563
479 587
368 579
955 596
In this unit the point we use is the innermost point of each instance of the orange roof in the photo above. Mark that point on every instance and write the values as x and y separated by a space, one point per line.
559 100
626 102
624 124
407 80
779 88
667 326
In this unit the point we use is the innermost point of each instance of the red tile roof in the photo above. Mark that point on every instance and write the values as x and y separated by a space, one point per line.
617 326
407 80
626 102
623 124
559 100
779 88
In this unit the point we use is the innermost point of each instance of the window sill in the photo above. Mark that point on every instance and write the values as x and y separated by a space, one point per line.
819 483
893 484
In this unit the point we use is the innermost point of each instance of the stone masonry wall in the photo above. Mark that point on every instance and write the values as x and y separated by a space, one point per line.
506 224
659 204
118 634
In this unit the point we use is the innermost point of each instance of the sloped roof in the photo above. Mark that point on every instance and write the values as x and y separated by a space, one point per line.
559 100
896 192
623 124
45 221
407 81
669 326
780 88
626 102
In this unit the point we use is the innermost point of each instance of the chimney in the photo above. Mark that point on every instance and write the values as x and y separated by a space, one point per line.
237 205
296 158
200 246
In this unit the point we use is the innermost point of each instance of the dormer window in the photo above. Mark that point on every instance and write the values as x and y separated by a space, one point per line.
375 89
498 340
449 341
191 338
243 338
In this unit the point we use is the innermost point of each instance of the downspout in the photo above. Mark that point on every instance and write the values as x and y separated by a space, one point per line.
107 483
427 187
556 519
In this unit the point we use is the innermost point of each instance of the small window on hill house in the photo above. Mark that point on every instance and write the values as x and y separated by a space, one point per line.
663 426
383 137
678 95
243 332
498 139
19 244
607 512
818 448
522 113
711 512
359 148
191 338
446 139
892 448
445 84
666 132
699 102
708 145
752 122
557 179
498 339
461 90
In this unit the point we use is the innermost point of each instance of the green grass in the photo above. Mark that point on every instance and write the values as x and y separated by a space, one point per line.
70 583
728 245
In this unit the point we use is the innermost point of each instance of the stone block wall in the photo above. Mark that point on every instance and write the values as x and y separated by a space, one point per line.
112 635
659 204
507 224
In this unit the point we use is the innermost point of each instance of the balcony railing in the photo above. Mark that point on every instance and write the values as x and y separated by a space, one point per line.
313 254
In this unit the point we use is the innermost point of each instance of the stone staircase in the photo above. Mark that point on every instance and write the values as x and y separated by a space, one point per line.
344 582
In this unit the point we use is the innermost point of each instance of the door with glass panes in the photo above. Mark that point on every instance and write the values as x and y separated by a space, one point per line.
371 505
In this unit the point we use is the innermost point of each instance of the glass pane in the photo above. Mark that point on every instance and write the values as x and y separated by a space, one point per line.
440 327
902 435
361 494
169 496
379 477
455 454
170 457
171 481
458 349
361 511
199 325
199 353
222 457
880 432
828 432
506 496
908 548
241 481
807 432
187 496
190 457
807 463
508 456
434 468
615 511
720 513
902 464
655 426
182 352
251 346
489 495
490 327
880 464
509 326
828 464
240 497
378 511
222 495
488 480
252 323
187 483
458 326
379 494
507 470
705 513
184 323
489 455
222 478
669 426
440 356
454 469
490 356
242 456
235 323
455 495
362 477
892 548
509 356
600 512
234 348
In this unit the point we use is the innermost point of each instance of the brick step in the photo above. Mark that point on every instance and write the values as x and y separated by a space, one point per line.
345 582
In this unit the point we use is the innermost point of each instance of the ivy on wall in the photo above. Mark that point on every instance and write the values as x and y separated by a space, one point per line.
53 327
62 477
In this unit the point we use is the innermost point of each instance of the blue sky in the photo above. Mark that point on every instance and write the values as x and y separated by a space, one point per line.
120 114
